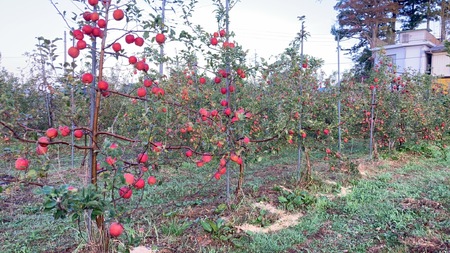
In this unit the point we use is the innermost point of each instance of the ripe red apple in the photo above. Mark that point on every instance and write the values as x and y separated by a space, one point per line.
81 44
125 192
132 59
141 92
51 133
87 29
65 130
115 229
94 16
202 80
139 41
328 151
78 133
102 85
96 32
224 103
246 140
151 180
129 178
87 78
222 33
111 161
231 88
217 175
206 158
222 170
41 150
142 157
140 65
118 14
73 52
22 163
116 47
214 41
303 135
160 38
140 183
144 169
78 34
129 38
223 90
214 113
93 2
326 131
43 141
227 111
87 16
101 23
217 79
148 83
189 153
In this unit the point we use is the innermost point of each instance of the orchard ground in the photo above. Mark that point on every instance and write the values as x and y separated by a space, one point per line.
398 203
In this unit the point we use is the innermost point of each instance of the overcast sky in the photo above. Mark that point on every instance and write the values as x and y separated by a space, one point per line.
264 27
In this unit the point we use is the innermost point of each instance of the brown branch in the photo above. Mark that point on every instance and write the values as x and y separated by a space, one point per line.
117 136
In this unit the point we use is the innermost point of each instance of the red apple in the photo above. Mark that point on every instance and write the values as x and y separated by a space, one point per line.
102 85
160 38
141 92
132 59
139 41
101 23
202 80
94 16
78 34
222 33
73 52
115 229
93 2
217 79
189 153
217 175
78 133
87 78
206 158
118 14
41 150
116 47
129 178
87 16
148 83
129 38
142 158
125 192
140 183
214 41
223 90
22 163
52 133
81 44
43 141
151 180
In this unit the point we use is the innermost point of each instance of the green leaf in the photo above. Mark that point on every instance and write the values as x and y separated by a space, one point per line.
206 226
50 204
282 199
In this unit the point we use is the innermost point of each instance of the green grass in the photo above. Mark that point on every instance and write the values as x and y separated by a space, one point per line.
393 210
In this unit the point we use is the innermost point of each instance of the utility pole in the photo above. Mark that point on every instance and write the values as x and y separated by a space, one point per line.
161 49
339 91
299 162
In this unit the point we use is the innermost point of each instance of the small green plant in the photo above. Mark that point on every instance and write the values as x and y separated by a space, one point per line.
175 227
218 229
291 200
263 219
